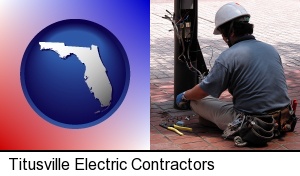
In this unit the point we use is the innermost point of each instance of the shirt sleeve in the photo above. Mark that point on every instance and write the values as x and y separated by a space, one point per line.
216 81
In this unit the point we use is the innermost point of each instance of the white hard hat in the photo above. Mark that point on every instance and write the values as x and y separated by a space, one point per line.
228 12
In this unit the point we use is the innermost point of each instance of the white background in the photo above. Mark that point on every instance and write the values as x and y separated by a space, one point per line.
225 163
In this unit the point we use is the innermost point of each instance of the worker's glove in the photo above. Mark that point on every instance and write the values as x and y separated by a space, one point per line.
182 102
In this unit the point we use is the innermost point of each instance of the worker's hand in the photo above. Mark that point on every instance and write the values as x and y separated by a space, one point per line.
182 102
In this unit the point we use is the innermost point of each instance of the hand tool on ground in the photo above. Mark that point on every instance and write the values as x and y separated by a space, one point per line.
175 128
182 128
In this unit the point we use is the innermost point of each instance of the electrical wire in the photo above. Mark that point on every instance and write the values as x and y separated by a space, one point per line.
212 53
171 18
187 59
185 17
201 77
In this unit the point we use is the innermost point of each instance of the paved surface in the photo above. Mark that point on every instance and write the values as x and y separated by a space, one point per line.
277 24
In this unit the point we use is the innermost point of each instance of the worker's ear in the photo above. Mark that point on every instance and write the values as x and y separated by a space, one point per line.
225 38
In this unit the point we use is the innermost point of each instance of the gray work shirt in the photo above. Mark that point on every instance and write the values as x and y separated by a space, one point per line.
252 72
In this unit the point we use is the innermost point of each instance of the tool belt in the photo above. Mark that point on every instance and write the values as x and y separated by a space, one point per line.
259 129
253 130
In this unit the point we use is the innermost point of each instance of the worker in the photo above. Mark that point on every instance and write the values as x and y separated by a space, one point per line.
249 69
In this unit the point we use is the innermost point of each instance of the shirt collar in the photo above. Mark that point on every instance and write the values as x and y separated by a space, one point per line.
246 37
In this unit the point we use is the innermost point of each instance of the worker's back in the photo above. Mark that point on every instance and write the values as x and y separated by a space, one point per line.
256 77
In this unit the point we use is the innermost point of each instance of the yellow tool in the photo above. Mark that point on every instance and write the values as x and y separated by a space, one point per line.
182 128
176 128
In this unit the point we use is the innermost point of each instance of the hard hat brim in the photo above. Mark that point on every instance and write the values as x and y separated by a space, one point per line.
216 32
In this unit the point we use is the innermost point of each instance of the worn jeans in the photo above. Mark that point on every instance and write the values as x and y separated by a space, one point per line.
214 110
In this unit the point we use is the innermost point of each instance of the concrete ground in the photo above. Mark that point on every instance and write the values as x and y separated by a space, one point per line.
276 23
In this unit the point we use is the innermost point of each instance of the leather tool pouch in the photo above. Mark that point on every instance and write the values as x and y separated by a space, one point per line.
285 121
254 130
258 130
